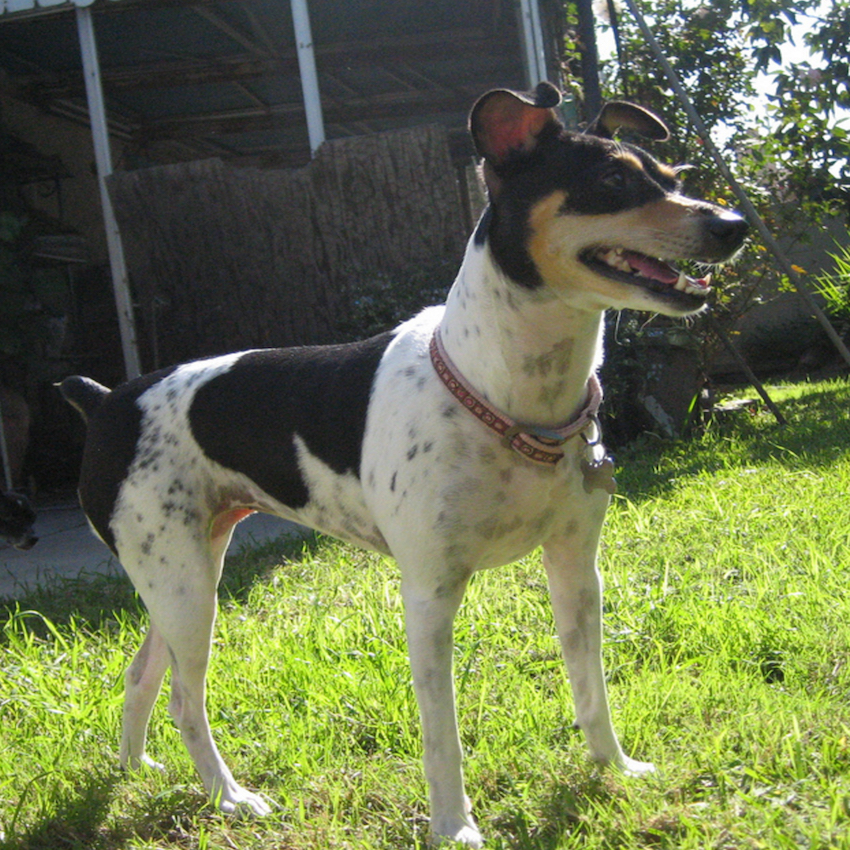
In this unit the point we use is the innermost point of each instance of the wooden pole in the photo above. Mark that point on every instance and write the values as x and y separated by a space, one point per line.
745 367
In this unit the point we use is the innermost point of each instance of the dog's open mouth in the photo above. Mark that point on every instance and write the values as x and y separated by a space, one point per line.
639 269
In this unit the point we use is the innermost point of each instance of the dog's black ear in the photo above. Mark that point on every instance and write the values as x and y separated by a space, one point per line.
620 113
505 122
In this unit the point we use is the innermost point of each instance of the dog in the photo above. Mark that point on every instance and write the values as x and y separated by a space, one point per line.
17 518
462 440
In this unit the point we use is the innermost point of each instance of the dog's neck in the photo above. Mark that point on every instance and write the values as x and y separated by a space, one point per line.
525 351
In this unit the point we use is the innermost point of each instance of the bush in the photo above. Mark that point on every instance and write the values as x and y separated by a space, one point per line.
381 302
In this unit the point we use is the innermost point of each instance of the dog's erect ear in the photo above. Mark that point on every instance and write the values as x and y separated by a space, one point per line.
503 122
620 113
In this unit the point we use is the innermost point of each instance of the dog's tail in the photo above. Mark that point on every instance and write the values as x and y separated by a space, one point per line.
84 394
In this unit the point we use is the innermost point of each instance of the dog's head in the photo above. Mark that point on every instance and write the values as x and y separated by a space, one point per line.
16 520
595 220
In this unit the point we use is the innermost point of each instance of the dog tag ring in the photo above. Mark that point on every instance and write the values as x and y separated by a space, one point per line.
597 466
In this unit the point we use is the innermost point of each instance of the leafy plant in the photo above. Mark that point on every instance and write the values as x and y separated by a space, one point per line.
834 286
381 302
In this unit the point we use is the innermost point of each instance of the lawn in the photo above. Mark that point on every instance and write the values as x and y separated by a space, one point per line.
727 627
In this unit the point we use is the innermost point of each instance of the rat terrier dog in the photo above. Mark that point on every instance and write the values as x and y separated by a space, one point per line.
459 441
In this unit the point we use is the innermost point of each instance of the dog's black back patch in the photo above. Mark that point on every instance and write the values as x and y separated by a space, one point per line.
245 418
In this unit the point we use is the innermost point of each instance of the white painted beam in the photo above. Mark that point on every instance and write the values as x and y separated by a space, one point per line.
103 161
309 75
532 32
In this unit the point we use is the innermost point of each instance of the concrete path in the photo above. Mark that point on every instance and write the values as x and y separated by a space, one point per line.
68 549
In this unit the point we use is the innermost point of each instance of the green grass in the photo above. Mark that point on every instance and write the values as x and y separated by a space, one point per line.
727 648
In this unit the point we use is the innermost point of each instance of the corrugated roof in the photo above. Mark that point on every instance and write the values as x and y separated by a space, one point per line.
184 80
12 7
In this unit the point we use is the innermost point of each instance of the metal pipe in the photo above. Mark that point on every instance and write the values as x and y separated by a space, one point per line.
539 49
745 367
535 62
309 75
740 194
103 161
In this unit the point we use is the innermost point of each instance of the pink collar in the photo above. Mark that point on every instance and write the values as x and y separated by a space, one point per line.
540 445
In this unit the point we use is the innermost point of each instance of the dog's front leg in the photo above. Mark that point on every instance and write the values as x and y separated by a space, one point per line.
429 613
575 586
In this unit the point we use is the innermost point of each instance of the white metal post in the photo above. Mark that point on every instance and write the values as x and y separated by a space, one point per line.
539 48
309 75
535 55
103 161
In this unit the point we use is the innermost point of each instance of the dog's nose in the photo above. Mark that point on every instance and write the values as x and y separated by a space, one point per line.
729 229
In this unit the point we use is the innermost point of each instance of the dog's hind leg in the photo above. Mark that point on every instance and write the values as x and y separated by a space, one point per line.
430 608
575 587
142 683
181 596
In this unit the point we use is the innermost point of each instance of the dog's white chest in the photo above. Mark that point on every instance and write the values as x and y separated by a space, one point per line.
437 480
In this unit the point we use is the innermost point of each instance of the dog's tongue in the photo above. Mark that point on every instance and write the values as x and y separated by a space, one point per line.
651 268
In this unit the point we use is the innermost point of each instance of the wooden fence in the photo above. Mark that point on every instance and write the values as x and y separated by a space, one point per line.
223 258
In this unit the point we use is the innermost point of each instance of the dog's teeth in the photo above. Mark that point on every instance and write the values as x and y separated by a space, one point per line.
699 287
614 258
682 283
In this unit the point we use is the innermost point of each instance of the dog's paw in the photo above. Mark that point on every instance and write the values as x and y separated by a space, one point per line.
464 833
467 837
141 763
634 768
240 803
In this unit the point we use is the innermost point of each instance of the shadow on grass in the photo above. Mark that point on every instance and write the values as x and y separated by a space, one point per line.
75 821
817 433
95 600
571 813
562 816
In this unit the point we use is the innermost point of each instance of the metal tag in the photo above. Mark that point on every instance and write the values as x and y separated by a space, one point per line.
599 474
